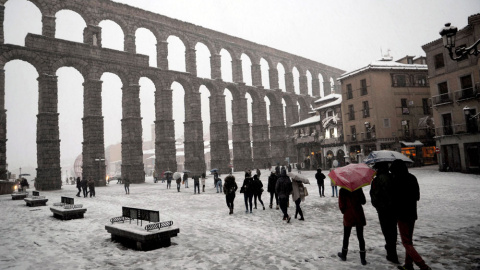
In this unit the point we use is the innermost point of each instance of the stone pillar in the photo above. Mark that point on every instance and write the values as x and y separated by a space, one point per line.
92 35
290 88
237 70
216 66
129 43
303 82
261 141
2 17
48 139
93 134
165 152
242 151
132 152
162 55
327 88
273 76
194 148
191 61
220 153
48 26
3 124
277 133
291 112
256 75
315 87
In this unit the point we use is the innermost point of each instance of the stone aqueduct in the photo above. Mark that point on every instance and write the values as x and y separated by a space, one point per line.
47 54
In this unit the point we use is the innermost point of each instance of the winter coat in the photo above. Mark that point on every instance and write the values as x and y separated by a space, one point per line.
407 192
185 177
298 190
24 183
91 184
79 185
84 183
179 180
230 186
272 181
248 185
203 181
257 185
320 177
350 204
196 180
382 191
283 186
126 182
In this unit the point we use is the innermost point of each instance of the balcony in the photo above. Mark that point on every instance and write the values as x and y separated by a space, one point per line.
305 139
464 128
416 134
333 140
466 94
442 99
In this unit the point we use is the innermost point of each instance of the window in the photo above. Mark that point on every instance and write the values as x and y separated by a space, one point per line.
421 80
366 110
386 122
443 92
353 131
332 133
330 113
401 81
426 108
404 106
467 86
447 124
349 91
351 113
472 126
410 60
363 89
439 62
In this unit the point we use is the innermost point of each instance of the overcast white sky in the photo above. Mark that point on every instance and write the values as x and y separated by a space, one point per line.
344 34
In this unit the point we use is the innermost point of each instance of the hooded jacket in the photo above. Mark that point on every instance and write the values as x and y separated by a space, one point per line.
407 192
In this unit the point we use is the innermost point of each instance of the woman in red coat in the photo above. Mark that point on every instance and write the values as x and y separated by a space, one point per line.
350 204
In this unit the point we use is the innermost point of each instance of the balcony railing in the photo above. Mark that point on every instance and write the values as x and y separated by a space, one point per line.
442 99
466 94
416 133
464 128
305 139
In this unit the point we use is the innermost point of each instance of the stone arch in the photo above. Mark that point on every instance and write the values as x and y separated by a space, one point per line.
185 83
151 28
208 44
274 99
78 64
289 100
27 56
304 108
210 86
116 19
120 71
77 8
184 38
152 75
256 97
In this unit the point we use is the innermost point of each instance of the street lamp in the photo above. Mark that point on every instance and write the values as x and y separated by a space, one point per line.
448 34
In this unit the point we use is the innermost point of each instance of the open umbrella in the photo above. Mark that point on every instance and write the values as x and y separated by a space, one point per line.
385 156
298 177
352 176
177 175
186 171
167 172
214 170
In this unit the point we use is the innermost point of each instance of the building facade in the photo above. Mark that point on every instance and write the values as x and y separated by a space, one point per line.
455 95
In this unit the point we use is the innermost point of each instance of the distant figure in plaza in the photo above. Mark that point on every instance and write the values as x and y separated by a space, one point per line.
168 176
203 181
334 187
215 178
91 187
283 189
257 191
196 184
272 182
320 182
247 191
24 184
298 195
84 183
277 169
219 185
185 179
258 172
381 194
126 184
289 167
350 204
179 182
229 189
79 186
407 193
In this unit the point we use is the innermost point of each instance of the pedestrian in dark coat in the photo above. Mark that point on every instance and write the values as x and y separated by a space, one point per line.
381 193
350 204
405 203
257 191
185 179
24 184
272 182
284 189
79 186
169 180
91 187
247 189
229 189
179 182
320 182
126 184
84 184
196 184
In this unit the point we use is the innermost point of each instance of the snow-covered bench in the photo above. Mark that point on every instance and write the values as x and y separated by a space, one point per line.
19 195
36 199
67 209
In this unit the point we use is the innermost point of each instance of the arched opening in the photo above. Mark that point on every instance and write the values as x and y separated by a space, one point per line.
246 69
284 111
176 54
227 75
250 117
203 61
296 81
309 83
178 101
281 77
112 35
146 43
147 112
299 111
70 109
264 67
112 111
267 104
229 117
205 107
320 81
15 26
69 25
21 103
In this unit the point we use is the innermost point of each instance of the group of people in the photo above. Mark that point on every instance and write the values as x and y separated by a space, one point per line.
85 187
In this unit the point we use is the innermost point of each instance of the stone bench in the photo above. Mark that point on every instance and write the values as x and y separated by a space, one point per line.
19 195
66 209
36 201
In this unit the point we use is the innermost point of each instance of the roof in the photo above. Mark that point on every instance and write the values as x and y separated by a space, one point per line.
337 101
308 121
384 64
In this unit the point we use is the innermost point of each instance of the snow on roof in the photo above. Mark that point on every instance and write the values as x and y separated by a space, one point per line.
384 64
328 97
330 104
310 120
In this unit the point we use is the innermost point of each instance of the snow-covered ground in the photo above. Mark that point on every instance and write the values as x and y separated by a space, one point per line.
447 233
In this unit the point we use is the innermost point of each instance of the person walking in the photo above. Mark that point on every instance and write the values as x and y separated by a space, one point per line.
283 188
24 184
257 171
350 204
79 186
185 179
320 182
168 176
219 185
334 187
247 191
91 187
257 191
407 193
126 184
179 182
381 194
203 181
84 184
289 167
298 195
196 184
229 189
272 181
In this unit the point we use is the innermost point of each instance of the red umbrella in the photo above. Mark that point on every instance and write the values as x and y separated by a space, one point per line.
352 176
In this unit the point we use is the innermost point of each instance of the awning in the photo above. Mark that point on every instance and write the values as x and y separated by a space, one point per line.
411 144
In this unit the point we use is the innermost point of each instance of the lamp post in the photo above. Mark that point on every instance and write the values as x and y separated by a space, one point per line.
99 160
448 34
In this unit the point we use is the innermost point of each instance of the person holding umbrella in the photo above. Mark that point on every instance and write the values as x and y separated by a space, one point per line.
298 192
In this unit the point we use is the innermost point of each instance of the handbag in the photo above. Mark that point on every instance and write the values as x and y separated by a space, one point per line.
242 190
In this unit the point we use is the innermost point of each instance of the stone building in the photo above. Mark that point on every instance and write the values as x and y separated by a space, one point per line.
386 106
455 94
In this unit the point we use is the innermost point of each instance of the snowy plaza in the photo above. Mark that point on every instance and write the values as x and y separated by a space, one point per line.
446 234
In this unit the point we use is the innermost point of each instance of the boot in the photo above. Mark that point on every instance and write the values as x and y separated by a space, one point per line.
278 207
343 254
231 211
362 257
270 206
263 207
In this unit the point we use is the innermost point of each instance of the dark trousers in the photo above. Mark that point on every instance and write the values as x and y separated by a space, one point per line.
79 190
321 190
259 196
92 192
298 210
346 236
388 223
411 255
230 198
248 200
84 189
178 187
196 186
273 194
127 189
284 206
